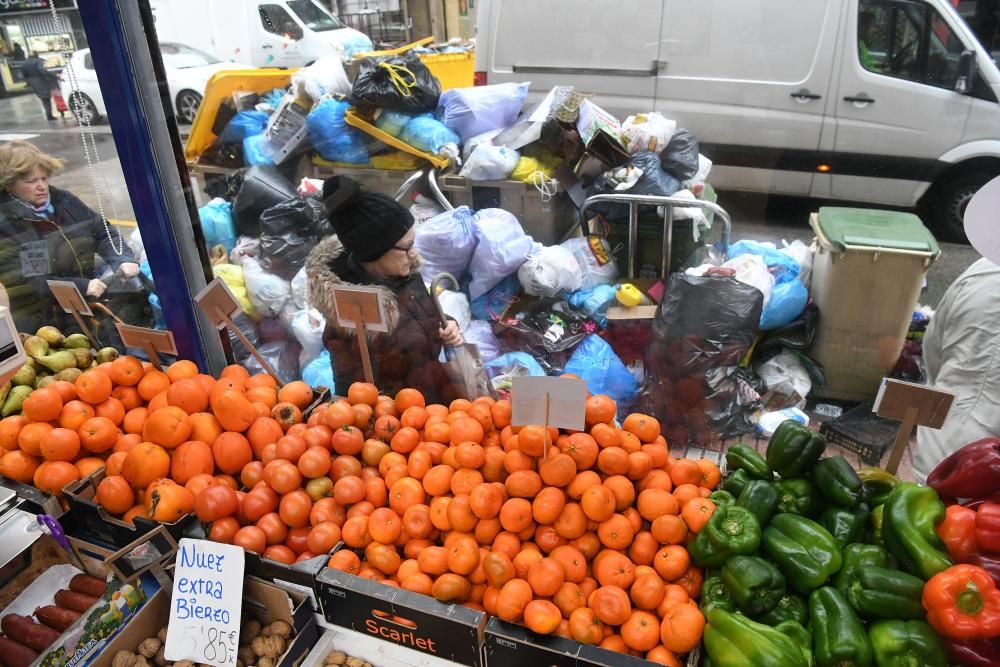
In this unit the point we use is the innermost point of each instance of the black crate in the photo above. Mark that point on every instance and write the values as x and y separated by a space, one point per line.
861 431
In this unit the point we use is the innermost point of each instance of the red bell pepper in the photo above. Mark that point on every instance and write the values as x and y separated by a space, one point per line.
974 652
958 532
988 527
962 602
989 563
971 472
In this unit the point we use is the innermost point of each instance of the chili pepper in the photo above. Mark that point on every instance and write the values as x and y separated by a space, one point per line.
906 644
802 549
797 496
875 522
974 652
743 457
790 607
798 634
847 526
839 638
878 484
971 472
729 532
735 482
989 563
760 498
908 528
836 480
721 497
958 532
715 594
988 527
860 556
794 449
733 640
963 603
878 592
755 585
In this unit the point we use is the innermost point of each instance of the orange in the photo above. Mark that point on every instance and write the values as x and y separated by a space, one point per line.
126 371
232 451
611 605
599 409
168 427
52 476
646 428
182 369
88 465
42 405
18 466
93 386
189 395
542 616
153 383
641 632
682 628
74 413
545 577
297 393
144 464
98 434
514 596
189 459
32 435
115 494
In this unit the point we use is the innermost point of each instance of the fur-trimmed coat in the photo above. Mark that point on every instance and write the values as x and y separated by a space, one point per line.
406 356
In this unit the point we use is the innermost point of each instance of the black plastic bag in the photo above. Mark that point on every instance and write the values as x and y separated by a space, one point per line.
703 329
249 329
797 335
256 190
549 331
396 83
652 181
680 157
288 231
283 355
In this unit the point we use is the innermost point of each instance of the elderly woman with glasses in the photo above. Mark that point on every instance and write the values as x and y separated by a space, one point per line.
373 247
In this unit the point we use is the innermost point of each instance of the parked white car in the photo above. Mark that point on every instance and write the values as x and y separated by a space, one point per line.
187 69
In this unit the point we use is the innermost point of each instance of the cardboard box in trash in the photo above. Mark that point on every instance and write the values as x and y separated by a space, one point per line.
601 134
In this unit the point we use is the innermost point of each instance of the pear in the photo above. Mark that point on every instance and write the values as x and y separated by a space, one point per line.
68 375
76 341
25 376
43 381
58 361
36 346
4 391
107 354
84 358
52 336
15 399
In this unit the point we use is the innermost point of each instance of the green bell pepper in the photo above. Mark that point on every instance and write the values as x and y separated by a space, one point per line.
837 482
794 449
735 482
798 634
797 496
802 549
755 584
839 638
722 497
846 526
743 457
906 644
733 640
730 531
858 556
760 498
878 592
790 607
878 484
875 525
908 528
715 594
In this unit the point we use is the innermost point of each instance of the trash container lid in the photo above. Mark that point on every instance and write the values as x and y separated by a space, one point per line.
871 227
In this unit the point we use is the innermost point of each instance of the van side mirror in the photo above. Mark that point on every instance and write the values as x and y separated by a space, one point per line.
966 79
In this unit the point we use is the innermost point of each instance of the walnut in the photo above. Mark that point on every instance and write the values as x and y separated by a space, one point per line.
336 658
270 647
267 662
277 629
159 660
162 635
149 647
140 661
123 659
183 663
249 631
246 654
239 663
355 662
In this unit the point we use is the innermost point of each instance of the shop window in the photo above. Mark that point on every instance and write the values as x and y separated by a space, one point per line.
277 21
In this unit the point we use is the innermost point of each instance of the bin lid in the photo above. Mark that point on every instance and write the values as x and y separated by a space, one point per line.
872 227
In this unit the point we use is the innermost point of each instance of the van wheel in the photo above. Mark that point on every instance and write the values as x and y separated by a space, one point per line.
946 204
83 108
188 102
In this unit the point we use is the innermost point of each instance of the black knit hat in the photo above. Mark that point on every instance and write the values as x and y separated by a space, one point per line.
369 224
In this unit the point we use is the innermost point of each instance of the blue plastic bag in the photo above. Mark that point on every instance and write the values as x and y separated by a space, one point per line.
273 98
593 302
332 137
217 224
394 122
514 363
489 306
257 150
595 362
426 133
472 111
788 300
781 265
357 44
319 372
242 125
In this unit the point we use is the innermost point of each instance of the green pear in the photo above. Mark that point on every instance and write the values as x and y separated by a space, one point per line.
25 376
84 358
52 336
68 375
5 391
58 361
15 399
43 381
36 346
76 341
107 354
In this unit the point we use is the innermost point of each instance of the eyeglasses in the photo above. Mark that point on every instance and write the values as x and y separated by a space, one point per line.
405 249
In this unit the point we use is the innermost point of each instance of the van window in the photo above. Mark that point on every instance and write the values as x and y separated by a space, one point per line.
314 17
735 39
88 61
908 40
279 22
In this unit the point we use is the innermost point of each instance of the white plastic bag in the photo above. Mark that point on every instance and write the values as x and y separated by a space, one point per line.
472 111
648 132
446 243
787 381
308 326
456 306
326 76
490 163
423 209
485 138
246 246
752 270
135 245
704 169
480 333
268 292
802 254
593 255
300 289
501 248
550 271
695 215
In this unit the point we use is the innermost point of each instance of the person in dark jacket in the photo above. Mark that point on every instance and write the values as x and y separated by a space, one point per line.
17 53
41 81
373 247
49 234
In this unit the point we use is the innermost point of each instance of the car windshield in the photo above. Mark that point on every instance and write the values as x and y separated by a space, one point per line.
180 56
314 17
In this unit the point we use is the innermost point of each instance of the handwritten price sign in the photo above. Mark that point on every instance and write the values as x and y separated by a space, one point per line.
204 624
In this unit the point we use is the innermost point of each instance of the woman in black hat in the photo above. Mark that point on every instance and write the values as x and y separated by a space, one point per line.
373 247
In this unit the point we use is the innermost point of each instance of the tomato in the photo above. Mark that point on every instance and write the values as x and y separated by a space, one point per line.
224 530
259 501
252 473
297 539
215 502
250 538
323 537
319 488
282 476
348 440
294 508
327 509
274 528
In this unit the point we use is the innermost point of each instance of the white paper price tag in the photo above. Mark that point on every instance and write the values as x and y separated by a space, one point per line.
204 624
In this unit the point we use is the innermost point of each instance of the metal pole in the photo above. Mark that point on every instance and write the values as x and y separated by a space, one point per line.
668 240
633 236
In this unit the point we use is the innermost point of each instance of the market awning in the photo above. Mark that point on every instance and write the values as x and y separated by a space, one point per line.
41 25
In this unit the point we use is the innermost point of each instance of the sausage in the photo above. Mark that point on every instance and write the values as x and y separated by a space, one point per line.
56 617
88 585
13 654
29 633
75 601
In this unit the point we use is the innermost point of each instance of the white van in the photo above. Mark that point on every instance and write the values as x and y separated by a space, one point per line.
278 33
891 102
